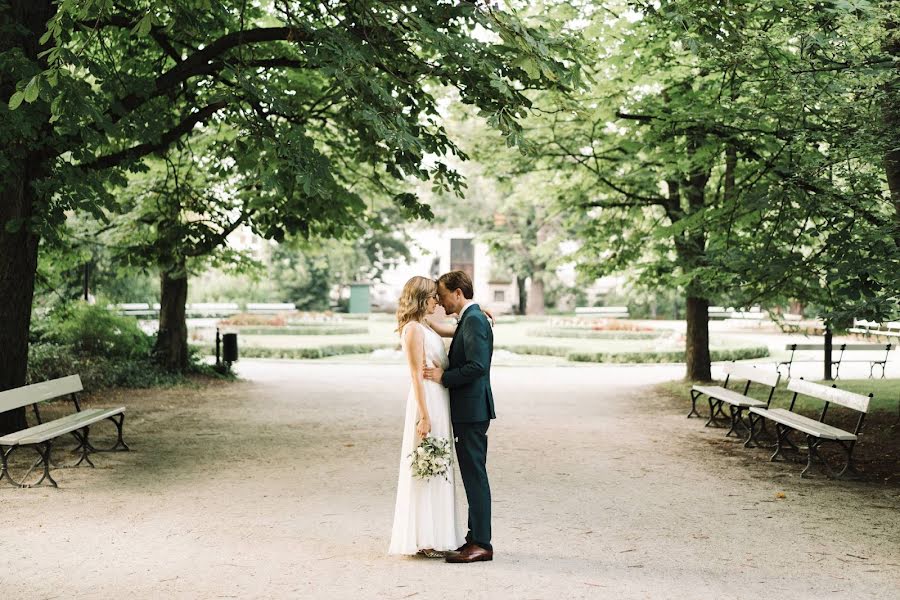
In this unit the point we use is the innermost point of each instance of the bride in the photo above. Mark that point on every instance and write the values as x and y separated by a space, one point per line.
425 511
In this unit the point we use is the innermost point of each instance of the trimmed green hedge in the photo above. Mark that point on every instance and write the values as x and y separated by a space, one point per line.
311 329
305 353
540 350
596 335
666 357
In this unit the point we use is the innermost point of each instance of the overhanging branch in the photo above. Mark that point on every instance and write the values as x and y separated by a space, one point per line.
165 140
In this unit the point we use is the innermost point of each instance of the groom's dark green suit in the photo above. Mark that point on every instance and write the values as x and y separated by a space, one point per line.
471 410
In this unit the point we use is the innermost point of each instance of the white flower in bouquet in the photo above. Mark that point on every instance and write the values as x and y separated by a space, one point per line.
431 458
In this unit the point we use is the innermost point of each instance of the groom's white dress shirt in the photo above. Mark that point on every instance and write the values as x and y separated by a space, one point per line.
463 310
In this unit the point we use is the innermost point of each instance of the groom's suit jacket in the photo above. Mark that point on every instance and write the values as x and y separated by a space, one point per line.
469 374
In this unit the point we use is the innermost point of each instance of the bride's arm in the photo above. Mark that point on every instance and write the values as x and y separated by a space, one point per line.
444 330
414 342
441 328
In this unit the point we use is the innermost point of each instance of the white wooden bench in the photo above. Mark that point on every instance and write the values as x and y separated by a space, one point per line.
270 308
136 309
212 309
872 328
816 431
738 402
841 348
609 312
41 436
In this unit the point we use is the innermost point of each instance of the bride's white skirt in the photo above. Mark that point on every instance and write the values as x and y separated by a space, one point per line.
425 511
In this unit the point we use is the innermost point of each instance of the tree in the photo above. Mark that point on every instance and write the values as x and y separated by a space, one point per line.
714 134
314 91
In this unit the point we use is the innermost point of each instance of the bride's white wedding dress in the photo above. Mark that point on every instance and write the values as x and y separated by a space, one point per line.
425 512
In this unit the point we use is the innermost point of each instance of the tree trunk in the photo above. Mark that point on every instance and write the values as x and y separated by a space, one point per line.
697 342
18 264
891 118
523 294
536 296
23 22
171 342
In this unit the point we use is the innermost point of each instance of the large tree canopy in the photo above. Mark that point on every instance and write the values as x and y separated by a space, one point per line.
320 96
732 150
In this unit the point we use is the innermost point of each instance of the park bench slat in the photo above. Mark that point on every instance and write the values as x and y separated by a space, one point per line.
13 439
39 392
729 396
71 425
857 402
804 424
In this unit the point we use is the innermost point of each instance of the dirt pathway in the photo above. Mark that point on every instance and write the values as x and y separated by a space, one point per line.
282 486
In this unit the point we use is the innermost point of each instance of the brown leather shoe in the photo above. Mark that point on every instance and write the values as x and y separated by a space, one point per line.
466 543
469 554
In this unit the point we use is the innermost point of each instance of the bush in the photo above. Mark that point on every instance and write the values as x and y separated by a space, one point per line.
595 335
305 353
666 357
540 350
51 361
92 330
310 329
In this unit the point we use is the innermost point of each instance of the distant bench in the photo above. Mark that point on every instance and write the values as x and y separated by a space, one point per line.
41 436
886 348
270 308
720 312
610 312
870 328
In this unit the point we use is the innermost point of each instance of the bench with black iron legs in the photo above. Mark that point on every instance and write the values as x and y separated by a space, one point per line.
842 348
738 402
40 437
816 432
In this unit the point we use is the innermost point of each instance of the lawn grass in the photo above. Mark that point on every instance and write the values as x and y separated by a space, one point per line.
886 394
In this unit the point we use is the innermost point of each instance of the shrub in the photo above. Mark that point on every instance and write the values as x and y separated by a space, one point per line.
309 329
540 350
594 334
306 353
93 330
51 361
666 357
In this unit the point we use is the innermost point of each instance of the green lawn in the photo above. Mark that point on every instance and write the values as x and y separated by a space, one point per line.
517 335
886 394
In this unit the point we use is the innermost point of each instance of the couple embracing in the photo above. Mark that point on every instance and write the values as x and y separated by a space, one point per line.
450 398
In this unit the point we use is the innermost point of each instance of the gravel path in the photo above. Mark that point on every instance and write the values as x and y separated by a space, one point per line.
282 486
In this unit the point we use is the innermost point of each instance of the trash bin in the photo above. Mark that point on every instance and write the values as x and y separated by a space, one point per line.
229 348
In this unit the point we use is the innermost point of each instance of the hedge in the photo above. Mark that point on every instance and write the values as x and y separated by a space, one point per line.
581 333
666 357
311 329
306 353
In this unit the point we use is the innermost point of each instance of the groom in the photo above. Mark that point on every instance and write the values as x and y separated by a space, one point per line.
471 407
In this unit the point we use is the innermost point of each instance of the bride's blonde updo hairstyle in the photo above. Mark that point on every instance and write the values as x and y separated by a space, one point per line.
413 300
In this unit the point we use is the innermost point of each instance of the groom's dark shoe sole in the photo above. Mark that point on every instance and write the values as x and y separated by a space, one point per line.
470 553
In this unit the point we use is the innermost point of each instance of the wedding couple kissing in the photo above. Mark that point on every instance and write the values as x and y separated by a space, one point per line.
449 400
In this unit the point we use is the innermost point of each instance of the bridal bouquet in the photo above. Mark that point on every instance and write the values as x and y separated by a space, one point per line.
432 457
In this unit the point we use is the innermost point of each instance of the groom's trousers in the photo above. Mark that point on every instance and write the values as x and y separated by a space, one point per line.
471 452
